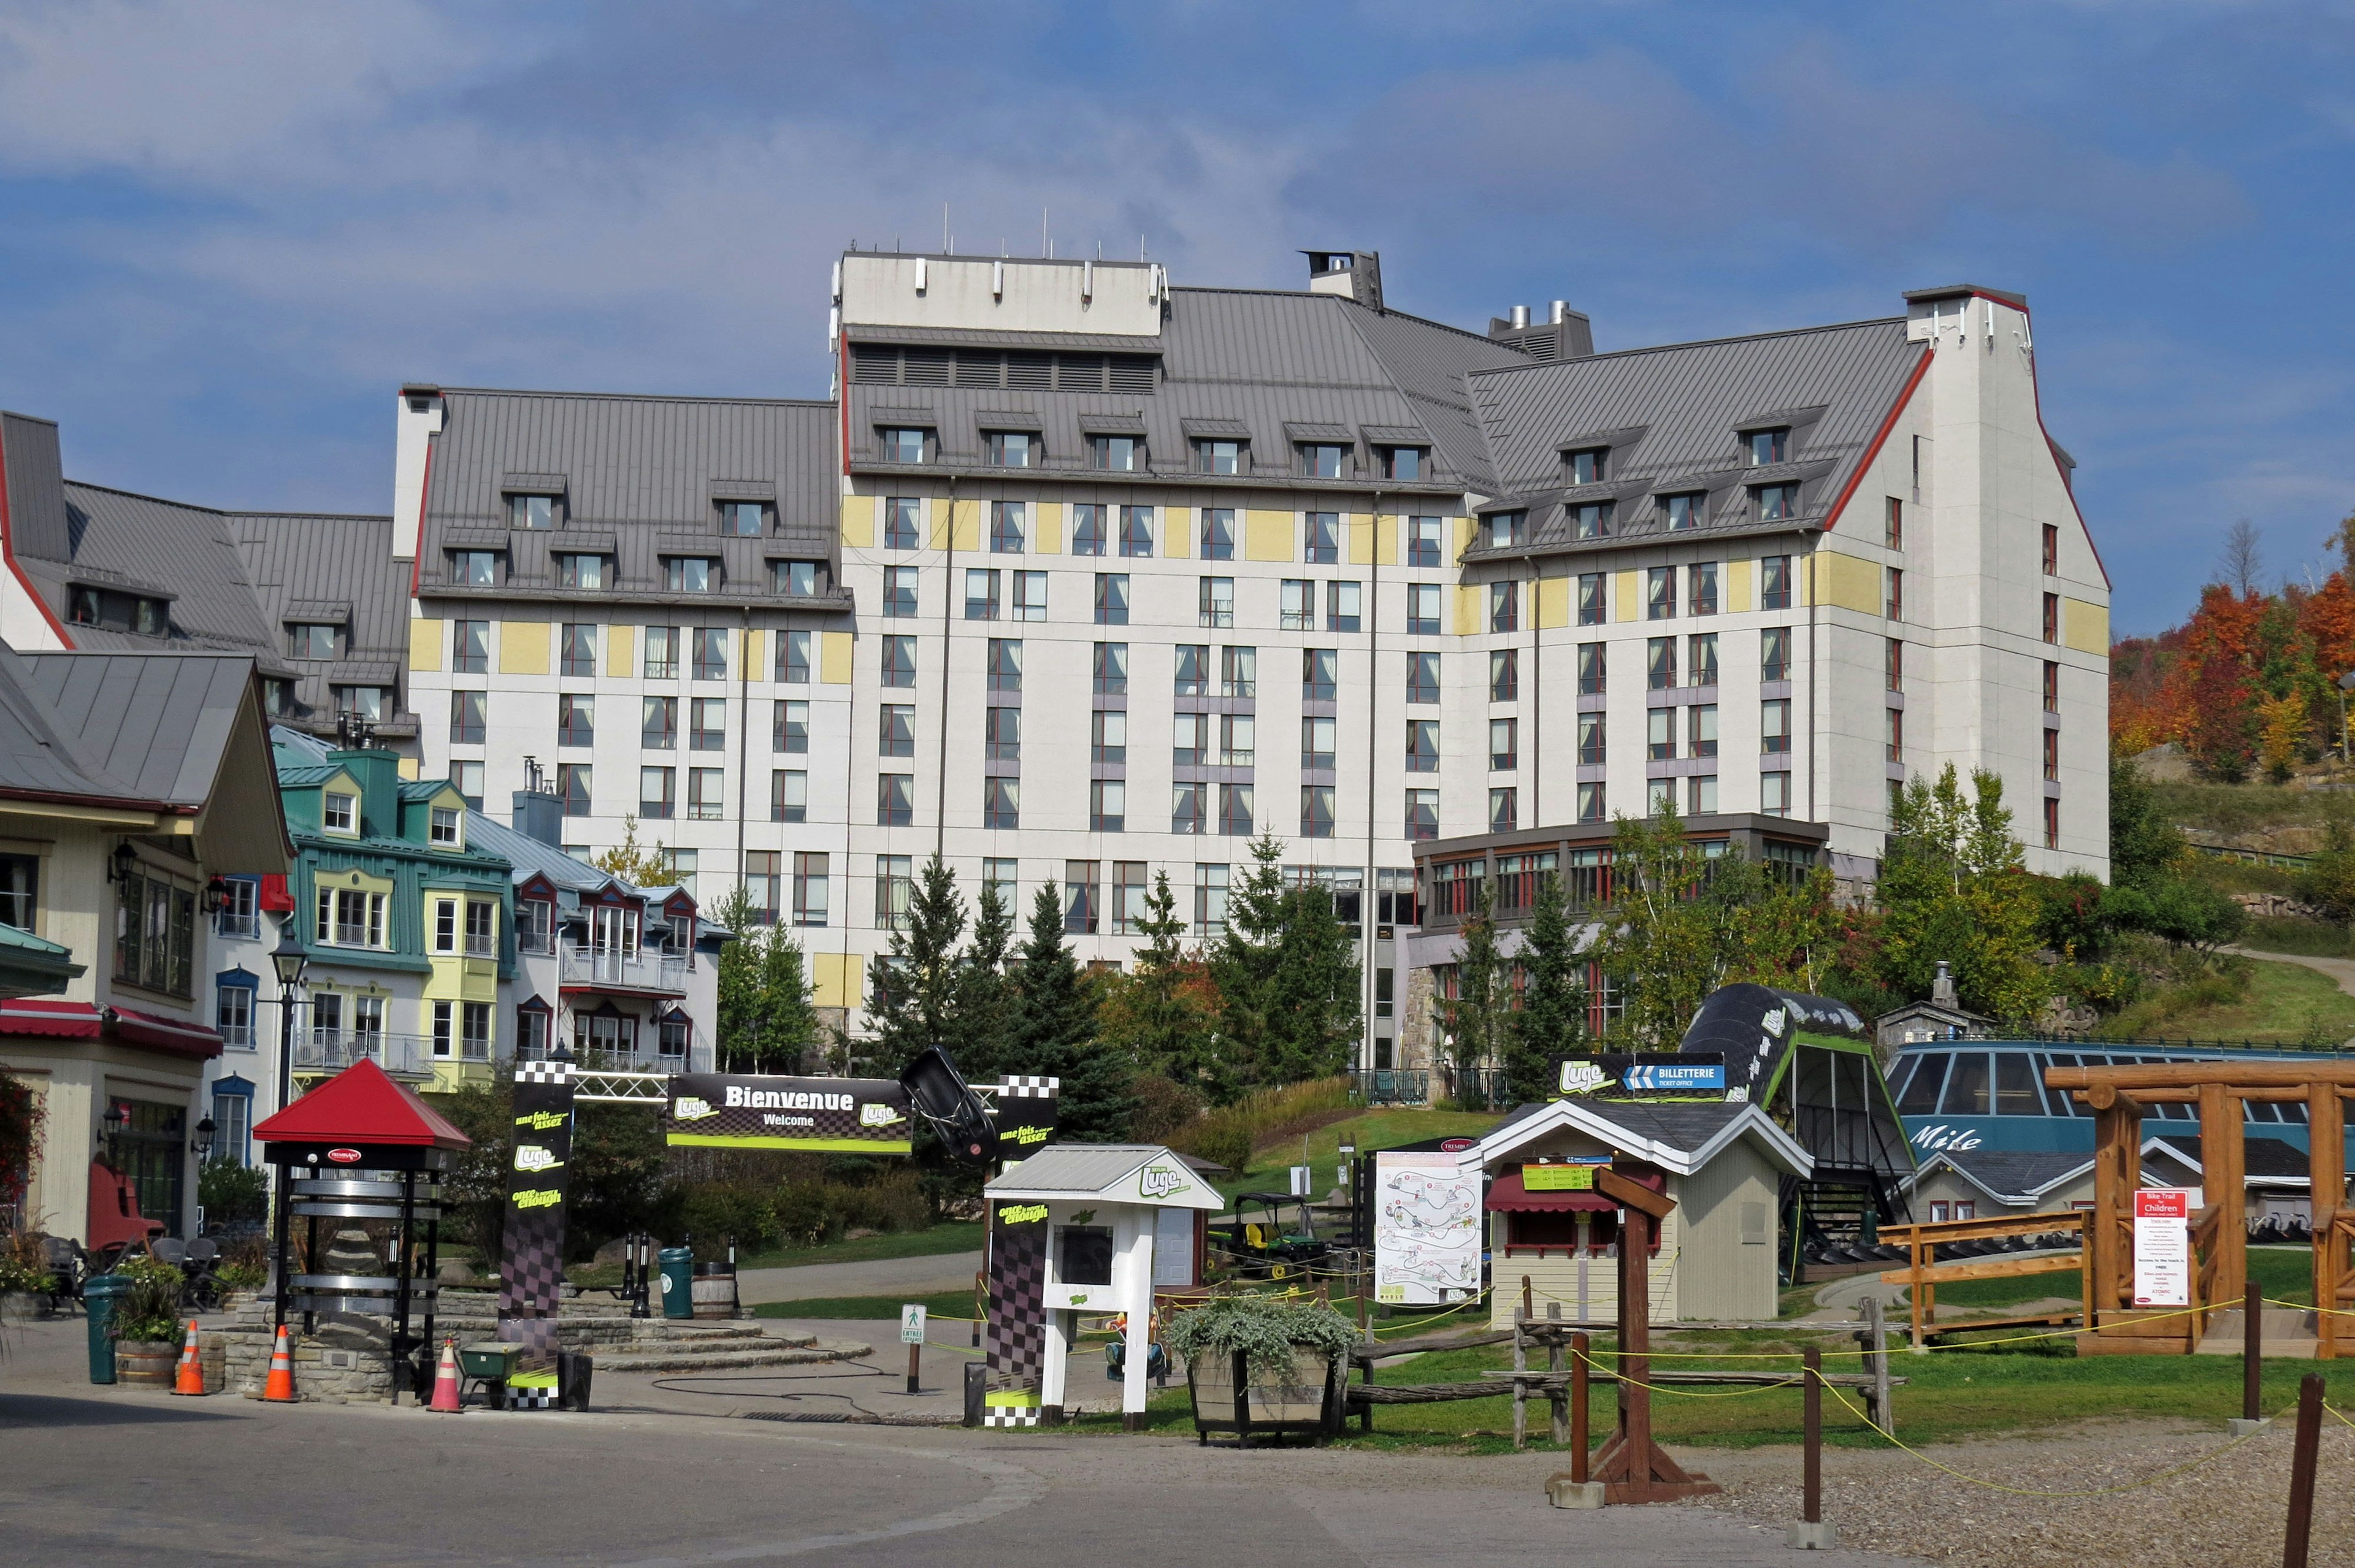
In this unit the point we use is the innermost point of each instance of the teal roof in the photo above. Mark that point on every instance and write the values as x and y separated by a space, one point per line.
298 778
31 965
423 789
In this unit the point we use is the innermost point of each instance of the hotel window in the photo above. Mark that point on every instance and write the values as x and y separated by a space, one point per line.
1423 745
340 813
1774 653
1423 677
1504 745
1775 794
1317 811
1001 803
1087 530
1896 594
901 444
1767 447
1128 884
1190 740
794 658
1423 541
1320 675
1506 529
1703 578
1504 810
793 577
1111 671
1112 599
470 647
1592 668
2052 756
895 734
1700 653
981 593
1136 531
587 572
1002 877
233 1017
1239 672
1892 523
1593 604
1323 531
790 726
1081 894
1662 796
2052 686
1009 448
468 777
1660 594
532 512
899 661
1701 795
1422 813
1586 466
1218 457
895 891
1343 604
2051 551
1776 503
1660 734
760 879
1685 510
576 720
1189 808
900 514
1592 748
710 651
1505 606
1004 666
1317 740
1107 805
2053 617
310 642
1775 726
810 888
1217 533
1005 528
1321 460
1591 520
1215 601
1237 746
1404 463
895 800
1107 735
1422 609
1701 730
708 729
900 592
577 651
1029 596
662 653
1116 454
1001 734
466 717
788 795
657 793
1893 660
1298 604
1775 582
1504 674
572 783
1193 669
2052 823
744 519
1660 663
1209 901
367 702
1235 807
474 568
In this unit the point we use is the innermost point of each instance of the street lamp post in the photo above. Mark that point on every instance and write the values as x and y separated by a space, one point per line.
288 959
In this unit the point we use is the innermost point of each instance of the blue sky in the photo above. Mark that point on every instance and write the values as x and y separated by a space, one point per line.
227 232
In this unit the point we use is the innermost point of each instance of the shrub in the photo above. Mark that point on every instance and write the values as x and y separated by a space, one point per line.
1164 1107
1229 1145
151 1312
714 1215
232 1194
1266 1329
23 1264
804 1213
891 1201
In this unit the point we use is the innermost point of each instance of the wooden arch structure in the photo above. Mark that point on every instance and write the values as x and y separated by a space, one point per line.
2119 1097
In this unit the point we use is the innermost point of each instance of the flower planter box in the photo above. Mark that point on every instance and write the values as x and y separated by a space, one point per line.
1226 1397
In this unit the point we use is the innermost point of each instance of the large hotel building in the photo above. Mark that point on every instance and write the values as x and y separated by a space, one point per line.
1080 577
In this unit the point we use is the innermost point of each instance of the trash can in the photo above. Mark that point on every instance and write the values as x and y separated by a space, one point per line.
715 1290
677 1266
100 1294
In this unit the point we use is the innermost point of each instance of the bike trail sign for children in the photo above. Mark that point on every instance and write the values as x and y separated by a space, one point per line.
2162 1246
1426 1227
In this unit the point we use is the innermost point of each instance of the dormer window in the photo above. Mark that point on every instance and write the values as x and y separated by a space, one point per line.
311 641
1684 511
1117 453
692 574
1590 521
902 444
1587 466
1011 448
445 829
1777 503
744 519
1770 446
581 571
85 609
531 511
339 812
474 568
1320 459
1507 528
367 702
1218 457
148 618
278 696
1405 462
797 576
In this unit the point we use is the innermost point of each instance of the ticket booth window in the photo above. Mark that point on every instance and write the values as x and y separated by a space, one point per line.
1083 1254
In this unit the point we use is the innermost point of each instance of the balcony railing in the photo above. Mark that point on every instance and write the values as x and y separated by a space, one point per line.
1391 1086
333 1050
611 967
481 946
225 923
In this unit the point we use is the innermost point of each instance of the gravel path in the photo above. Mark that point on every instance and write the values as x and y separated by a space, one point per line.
2228 1511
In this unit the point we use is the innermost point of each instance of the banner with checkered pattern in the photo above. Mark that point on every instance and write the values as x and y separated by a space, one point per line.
1014 1339
531 1262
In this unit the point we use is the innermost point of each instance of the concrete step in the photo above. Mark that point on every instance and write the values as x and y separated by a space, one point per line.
682 1359
2287 1334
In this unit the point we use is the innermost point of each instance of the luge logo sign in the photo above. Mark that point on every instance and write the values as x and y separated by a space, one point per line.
532 1158
1162 1181
1664 1075
839 1116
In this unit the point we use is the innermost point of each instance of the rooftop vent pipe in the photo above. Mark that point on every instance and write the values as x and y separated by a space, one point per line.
1520 317
1560 313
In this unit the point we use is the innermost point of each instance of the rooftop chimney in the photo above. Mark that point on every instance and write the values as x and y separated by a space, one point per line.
1520 317
1564 334
1353 274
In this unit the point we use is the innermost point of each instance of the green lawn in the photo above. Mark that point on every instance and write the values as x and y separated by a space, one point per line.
958 1237
1372 1129
2285 1274
2288 1004
2283 933
948 1304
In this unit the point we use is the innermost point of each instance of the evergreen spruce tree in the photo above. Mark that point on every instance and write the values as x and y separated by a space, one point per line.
1314 1018
914 1000
765 1021
986 1000
1054 1032
1479 1018
1244 964
1553 1019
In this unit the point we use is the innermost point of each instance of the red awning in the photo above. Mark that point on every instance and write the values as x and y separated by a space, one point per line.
275 899
361 1105
165 1034
51 1015
1509 1195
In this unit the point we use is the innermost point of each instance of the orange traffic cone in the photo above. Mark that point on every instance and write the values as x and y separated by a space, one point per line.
445 1382
191 1377
281 1386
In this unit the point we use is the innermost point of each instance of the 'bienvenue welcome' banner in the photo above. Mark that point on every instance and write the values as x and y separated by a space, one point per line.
842 1116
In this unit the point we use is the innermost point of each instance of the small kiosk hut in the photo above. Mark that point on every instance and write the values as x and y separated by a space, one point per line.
361 1147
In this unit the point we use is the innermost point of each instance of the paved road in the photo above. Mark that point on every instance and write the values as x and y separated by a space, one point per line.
876 1276
102 1476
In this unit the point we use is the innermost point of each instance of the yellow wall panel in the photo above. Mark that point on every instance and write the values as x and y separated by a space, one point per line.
1848 581
425 645
523 647
956 524
1465 528
752 666
1177 532
409 769
1624 595
837 979
1047 527
1553 603
1267 536
1467 609
833 658
1362 539
859 521
1737 587
1386 541
2085 626
621 648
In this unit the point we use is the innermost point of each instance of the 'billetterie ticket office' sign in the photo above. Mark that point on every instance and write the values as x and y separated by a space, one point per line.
826 1115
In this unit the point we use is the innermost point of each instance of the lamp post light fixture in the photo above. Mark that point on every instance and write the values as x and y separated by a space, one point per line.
203 1141
288 959
114 1118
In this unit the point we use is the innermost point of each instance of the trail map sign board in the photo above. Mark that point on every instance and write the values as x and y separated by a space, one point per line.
1426 1228
2162 1247
824 1115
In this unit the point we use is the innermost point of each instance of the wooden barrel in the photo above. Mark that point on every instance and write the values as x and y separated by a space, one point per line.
714 1291
146 1364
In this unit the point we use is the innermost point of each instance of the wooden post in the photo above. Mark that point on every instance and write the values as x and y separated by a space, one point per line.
1914 1290
1557 1398
2327 1165
915 1360
1635 1343
1814 1461
2301 1471
1522 1364
1876 1323
1578 1391
2223 1165
2253 1352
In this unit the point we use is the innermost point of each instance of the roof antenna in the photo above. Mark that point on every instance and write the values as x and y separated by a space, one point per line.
944 225
1140 246
1046 246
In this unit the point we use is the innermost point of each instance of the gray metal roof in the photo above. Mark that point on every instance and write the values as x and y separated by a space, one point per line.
38 754
1690 400
339 569
1086 1169
2018 1176
161 722
2261 1157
